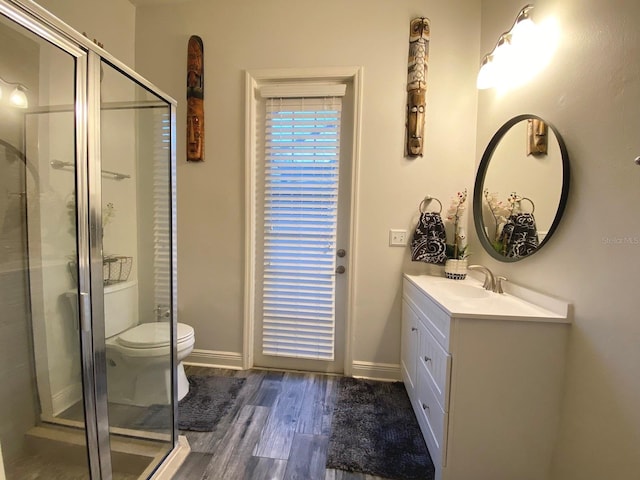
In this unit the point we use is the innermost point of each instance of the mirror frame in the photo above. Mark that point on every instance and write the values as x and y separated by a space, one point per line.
479 184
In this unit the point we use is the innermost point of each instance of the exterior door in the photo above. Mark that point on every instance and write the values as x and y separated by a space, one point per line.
303 199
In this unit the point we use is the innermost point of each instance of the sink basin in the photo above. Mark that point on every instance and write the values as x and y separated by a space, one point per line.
468 299
454 289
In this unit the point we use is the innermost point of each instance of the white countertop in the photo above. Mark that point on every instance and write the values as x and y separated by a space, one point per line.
468 299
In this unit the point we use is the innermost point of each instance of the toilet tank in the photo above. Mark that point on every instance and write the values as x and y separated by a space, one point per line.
120 307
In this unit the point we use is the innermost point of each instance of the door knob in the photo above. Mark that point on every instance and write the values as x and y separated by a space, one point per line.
340 269
341 253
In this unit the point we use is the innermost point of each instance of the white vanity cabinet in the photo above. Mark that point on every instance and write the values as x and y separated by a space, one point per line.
485 378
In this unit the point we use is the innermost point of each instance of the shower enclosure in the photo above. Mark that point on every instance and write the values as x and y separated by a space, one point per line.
87 189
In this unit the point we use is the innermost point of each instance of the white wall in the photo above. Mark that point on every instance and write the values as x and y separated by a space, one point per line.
591 93
292 33
111 23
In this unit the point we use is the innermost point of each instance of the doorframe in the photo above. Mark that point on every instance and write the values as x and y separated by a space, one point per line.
352 76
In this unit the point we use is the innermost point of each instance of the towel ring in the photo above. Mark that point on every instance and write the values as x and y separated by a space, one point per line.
425 203
533 205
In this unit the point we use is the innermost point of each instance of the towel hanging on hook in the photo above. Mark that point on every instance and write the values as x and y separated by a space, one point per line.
519 236
429 239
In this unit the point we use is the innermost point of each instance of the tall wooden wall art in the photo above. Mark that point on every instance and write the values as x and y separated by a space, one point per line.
419 33
195 100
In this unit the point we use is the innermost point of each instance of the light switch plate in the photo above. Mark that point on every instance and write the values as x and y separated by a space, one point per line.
397 238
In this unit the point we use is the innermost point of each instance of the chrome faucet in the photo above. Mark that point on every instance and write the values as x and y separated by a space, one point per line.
489 280
498 286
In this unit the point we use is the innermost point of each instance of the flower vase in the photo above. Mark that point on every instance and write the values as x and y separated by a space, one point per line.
455 269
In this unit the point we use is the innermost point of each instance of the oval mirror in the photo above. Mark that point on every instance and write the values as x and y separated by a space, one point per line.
521 188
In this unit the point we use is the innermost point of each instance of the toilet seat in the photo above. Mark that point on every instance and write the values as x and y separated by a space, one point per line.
152 340
151 335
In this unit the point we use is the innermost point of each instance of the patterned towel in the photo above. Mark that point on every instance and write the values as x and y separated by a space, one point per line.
429 239
519 235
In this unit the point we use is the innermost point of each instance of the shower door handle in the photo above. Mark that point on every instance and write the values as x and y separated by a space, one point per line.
85 312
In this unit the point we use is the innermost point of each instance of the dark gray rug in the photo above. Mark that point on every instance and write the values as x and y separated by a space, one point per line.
208 400
375 431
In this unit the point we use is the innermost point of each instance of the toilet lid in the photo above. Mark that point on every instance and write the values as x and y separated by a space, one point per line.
153 335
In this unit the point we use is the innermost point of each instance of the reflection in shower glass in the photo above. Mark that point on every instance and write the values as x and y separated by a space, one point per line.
40 369
136 212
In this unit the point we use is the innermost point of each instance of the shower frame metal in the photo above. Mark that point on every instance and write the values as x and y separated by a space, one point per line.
88 57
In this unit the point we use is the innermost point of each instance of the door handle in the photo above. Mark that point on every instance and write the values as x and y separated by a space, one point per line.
340 269
85 312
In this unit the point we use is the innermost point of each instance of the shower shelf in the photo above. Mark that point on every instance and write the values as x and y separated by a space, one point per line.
115 269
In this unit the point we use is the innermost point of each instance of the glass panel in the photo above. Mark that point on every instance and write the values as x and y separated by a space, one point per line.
41 408
136 245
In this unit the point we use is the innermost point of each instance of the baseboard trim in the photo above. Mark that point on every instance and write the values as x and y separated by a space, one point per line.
233 360
214 358
65 398
376 371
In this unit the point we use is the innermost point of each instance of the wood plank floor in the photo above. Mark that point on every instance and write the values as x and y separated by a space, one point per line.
278 429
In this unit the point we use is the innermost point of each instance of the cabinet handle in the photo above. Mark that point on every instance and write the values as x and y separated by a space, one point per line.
427 359
425 407
414 329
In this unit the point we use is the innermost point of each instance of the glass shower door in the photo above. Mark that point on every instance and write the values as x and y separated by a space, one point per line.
87 176
40 336
135 185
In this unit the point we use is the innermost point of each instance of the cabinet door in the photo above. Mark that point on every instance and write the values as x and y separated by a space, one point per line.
409 345
436 362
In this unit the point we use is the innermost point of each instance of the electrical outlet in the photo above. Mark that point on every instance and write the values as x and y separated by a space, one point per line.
397 238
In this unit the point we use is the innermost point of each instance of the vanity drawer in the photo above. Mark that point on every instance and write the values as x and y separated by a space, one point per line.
433 421
435 319
436 362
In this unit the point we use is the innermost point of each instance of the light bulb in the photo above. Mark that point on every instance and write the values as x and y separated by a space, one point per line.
18 98
503 51
524 32
487 74
503 58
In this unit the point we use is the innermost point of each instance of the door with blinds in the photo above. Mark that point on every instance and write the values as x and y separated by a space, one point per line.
302 228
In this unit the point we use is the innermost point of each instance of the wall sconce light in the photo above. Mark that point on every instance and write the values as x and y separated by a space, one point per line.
513 60
18 97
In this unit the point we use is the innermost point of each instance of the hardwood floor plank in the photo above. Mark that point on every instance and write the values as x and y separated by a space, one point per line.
230 459
342 475
278 433
204 442
270 387
193 467
262 468
308 457
329 404
317 405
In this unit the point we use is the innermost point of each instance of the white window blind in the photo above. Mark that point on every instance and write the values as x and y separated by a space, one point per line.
302 146
162 209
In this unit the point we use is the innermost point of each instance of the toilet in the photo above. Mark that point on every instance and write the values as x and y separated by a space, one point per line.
138 354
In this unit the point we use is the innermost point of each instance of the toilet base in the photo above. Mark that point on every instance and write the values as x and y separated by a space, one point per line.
183 382
131 385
